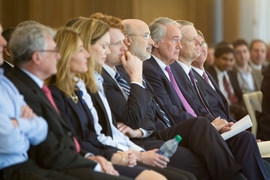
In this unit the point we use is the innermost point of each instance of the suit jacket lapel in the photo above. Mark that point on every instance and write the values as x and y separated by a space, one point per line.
102 107
38 91
221 97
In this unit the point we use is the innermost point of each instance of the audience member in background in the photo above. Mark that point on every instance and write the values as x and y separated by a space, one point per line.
210 56
104 120
73 108
35 55
8 63
227 80
263 118
249 79
257 51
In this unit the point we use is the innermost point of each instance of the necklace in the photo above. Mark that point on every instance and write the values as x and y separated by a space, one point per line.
74 98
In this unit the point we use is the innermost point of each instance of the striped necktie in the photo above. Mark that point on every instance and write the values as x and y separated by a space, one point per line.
123 83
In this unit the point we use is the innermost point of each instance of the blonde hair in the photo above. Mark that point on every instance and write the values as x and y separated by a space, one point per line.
67 42
91 30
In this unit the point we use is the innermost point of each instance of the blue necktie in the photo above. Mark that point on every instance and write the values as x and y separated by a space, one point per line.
123 83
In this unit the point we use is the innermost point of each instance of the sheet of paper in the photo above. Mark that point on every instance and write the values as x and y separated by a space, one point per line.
238 127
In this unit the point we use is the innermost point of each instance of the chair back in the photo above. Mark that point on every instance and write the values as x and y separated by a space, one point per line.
253 103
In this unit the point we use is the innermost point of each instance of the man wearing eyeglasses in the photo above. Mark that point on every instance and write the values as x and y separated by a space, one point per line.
35 56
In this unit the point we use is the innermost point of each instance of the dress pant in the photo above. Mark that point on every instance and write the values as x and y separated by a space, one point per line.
30 171
202 140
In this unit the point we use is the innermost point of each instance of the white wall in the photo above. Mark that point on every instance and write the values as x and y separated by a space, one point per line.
255 19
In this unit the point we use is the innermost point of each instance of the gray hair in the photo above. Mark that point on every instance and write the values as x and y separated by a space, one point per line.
158 27
27 23
184 23
26 40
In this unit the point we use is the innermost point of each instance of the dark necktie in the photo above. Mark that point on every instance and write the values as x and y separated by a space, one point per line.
163 114
179 93
47 92
205 77
193 80
231 95
122 82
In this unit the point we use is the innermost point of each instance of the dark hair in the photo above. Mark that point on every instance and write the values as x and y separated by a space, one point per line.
240 42
256 40
222 50
7 33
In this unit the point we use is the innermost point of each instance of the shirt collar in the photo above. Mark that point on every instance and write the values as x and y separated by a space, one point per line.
160 63
199 71
109 70
9 63
185 67
34 78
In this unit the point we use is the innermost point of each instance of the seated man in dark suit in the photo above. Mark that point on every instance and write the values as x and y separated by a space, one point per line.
35 56
227 80
135 106
158 73
8 64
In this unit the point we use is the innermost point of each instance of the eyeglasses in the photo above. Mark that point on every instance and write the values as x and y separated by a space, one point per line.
50 50
146 36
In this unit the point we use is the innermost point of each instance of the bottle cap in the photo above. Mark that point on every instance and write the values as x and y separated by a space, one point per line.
178 138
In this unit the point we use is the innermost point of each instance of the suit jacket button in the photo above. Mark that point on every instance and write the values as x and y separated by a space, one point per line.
69 133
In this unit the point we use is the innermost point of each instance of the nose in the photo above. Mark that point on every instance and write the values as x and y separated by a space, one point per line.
151 41
108 51
3 42
58 55
124 47
179 45
87 55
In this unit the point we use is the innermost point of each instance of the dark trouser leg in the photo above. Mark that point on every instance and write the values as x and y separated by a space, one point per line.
206 143
245 151
171 173
87 173
30 171
183 158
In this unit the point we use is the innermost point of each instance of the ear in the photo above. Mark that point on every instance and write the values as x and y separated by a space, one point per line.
156 44
127 40
6 51
36 58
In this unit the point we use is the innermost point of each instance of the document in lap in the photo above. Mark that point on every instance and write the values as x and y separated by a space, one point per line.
238 127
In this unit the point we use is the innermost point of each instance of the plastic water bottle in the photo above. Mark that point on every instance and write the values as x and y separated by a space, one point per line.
170 146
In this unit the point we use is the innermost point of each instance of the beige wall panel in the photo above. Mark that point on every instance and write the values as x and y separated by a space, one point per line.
148 10
231 19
